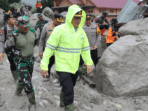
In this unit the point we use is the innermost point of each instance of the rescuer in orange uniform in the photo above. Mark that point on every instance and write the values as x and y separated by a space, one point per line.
112 35
38 6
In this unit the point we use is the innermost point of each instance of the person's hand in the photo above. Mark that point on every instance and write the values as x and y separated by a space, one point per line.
89 69
117 33
41 55
44 73
1 56
95 47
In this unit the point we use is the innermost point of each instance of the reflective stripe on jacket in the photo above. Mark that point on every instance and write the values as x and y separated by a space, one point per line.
68 45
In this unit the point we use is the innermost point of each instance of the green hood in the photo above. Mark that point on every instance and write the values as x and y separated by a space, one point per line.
72 10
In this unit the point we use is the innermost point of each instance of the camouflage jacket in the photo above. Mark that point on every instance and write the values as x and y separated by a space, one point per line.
40 24
21 45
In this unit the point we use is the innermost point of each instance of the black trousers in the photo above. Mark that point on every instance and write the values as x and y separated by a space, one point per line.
103 27
12 64
94 57
68 81
108 44
52 60
39 10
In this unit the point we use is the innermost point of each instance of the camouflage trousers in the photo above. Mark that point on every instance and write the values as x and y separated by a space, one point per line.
25 69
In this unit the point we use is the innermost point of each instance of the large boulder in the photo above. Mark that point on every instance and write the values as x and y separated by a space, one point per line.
64 14
1 18
136 27
34 18
102 45
48 12
122 69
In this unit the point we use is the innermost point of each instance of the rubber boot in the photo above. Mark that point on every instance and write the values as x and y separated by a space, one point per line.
19 89
61 99
31 97
15 75
70 107
102 32
32 107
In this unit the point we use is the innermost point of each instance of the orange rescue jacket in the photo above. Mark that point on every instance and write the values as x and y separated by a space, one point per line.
38 5
110 38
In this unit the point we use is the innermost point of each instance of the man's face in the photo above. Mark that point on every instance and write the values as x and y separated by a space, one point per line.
88 22
12 21
103 16
23 29
40 18
55 22
76 21
116 24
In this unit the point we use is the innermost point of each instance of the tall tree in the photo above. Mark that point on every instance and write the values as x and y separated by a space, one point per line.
4 5
47 3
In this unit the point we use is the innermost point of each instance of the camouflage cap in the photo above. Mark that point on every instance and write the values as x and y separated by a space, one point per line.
23 21
40 15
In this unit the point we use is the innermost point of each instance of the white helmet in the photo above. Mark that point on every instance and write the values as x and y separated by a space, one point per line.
141 0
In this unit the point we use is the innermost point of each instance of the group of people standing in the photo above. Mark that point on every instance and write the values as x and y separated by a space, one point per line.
16 12
69 45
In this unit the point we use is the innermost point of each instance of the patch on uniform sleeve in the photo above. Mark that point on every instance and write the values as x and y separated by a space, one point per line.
32 30
49 33
98 31
1 32
16 32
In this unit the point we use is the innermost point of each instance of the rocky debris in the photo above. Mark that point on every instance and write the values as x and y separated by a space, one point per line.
64 14
47 95
102 46
34 18
122 69
136 27
48 12
1 18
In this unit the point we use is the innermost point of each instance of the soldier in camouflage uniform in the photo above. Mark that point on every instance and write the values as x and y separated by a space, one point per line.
21 43
40 24
4 32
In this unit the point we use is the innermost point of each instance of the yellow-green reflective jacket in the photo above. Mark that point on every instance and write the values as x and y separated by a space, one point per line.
67 45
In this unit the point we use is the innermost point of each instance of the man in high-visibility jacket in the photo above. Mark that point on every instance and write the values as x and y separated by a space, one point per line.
112 35
68 41
38 6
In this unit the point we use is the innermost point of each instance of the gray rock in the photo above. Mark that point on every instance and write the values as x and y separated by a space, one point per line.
48 12
136 27
122 70
64 14
102 46
1 18
34 18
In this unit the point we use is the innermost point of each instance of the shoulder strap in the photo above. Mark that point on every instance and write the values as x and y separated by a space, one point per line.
15 34
5 32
